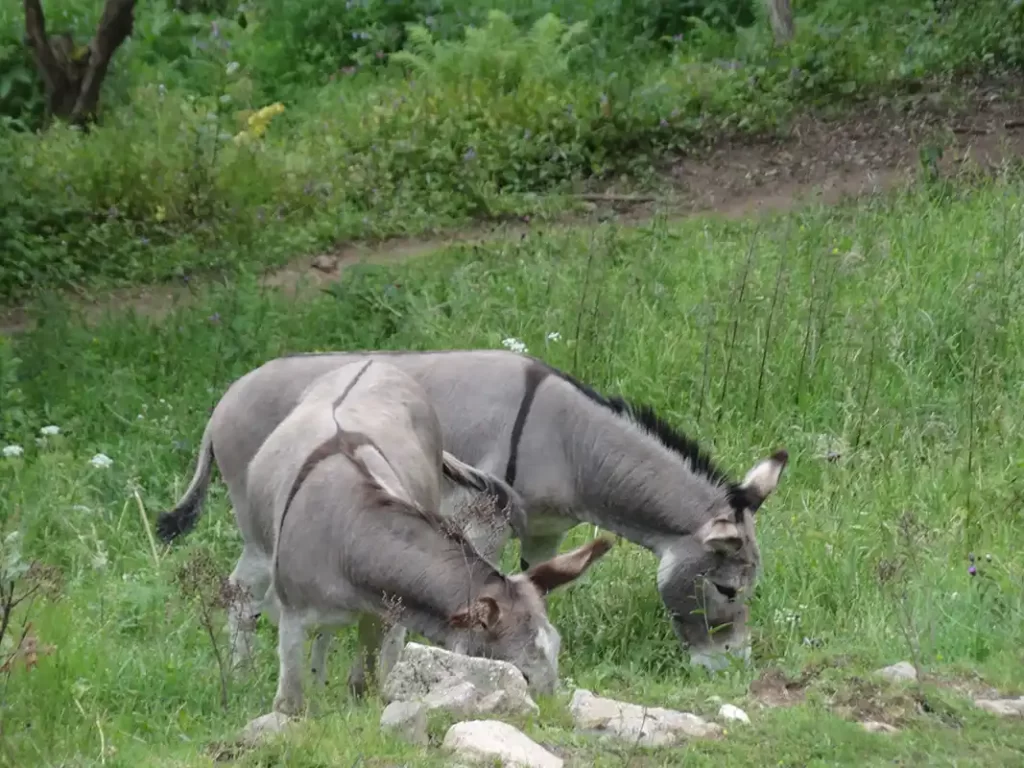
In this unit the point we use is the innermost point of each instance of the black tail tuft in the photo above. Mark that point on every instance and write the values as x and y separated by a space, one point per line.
179 521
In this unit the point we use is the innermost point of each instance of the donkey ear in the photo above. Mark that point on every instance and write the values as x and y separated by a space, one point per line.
763 478
565 568
485 613
723 536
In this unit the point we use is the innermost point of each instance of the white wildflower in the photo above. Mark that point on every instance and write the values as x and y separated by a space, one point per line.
231 68
828 550
100 560
101 461
514 345
50 430
554 336
10 451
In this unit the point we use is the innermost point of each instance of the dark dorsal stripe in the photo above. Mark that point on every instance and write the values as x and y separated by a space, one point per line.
339 442
535 373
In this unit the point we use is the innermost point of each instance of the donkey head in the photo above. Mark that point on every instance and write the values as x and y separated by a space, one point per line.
509 621
706 577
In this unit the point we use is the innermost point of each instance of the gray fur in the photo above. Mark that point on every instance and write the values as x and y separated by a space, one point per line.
338 513
574 456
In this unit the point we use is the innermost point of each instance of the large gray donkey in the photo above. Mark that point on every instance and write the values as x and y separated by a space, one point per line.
339 518
572 454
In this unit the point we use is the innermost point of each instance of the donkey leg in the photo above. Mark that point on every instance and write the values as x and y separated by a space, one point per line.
363 672
318 654
249 582
391 649
291 634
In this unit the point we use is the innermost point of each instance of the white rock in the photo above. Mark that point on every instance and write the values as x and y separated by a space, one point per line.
873 726
901 672
483 741
460 698
1002 707
644 726
464 684
730 712
406 719
266 725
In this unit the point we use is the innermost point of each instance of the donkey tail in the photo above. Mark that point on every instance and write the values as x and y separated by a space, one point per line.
506 499
183 518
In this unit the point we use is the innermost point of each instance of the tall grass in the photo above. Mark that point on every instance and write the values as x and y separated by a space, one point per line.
871 341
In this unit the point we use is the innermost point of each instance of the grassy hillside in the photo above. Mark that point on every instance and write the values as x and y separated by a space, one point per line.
878 343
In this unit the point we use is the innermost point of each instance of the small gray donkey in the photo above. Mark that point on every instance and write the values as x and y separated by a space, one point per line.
339 515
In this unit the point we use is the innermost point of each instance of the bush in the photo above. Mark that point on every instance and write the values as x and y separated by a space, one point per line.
457 124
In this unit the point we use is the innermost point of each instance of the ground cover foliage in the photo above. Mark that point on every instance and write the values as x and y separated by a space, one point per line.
877 342
243 133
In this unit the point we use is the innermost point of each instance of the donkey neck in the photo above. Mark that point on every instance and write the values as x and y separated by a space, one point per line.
632 484
419 576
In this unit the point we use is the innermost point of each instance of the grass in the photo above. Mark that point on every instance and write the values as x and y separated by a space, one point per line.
449 125
877 342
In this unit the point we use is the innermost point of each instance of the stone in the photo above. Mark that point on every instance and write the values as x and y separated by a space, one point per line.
873 726
484 741
407 720
325 263
459 699
1002 707
643 726
464 684
734 713
901 672
258 729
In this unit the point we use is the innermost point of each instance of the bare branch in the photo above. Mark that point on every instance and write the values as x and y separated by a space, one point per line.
73 74
780 12
35 30
115 26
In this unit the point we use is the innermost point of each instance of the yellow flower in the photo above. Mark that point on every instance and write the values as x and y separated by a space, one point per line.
258 122
160 214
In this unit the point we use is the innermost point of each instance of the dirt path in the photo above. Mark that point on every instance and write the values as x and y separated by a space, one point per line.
816 159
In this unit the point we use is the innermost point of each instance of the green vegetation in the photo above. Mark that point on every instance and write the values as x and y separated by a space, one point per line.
390 128
879 343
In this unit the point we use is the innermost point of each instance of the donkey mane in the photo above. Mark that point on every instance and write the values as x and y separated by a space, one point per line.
645 417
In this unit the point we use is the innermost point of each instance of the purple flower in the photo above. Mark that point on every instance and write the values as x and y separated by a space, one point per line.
470 155
972 570
215 318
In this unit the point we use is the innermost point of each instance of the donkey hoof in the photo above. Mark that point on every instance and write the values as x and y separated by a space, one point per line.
287 706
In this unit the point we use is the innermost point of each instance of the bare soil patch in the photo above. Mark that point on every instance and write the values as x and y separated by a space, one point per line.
815 159
774 689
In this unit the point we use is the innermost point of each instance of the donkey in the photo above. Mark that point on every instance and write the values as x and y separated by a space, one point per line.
339 521
572 454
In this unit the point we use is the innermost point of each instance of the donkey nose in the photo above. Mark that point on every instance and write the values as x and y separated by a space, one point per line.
729 592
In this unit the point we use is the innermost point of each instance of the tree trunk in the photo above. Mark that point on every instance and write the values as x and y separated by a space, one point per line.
781 14
72 75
